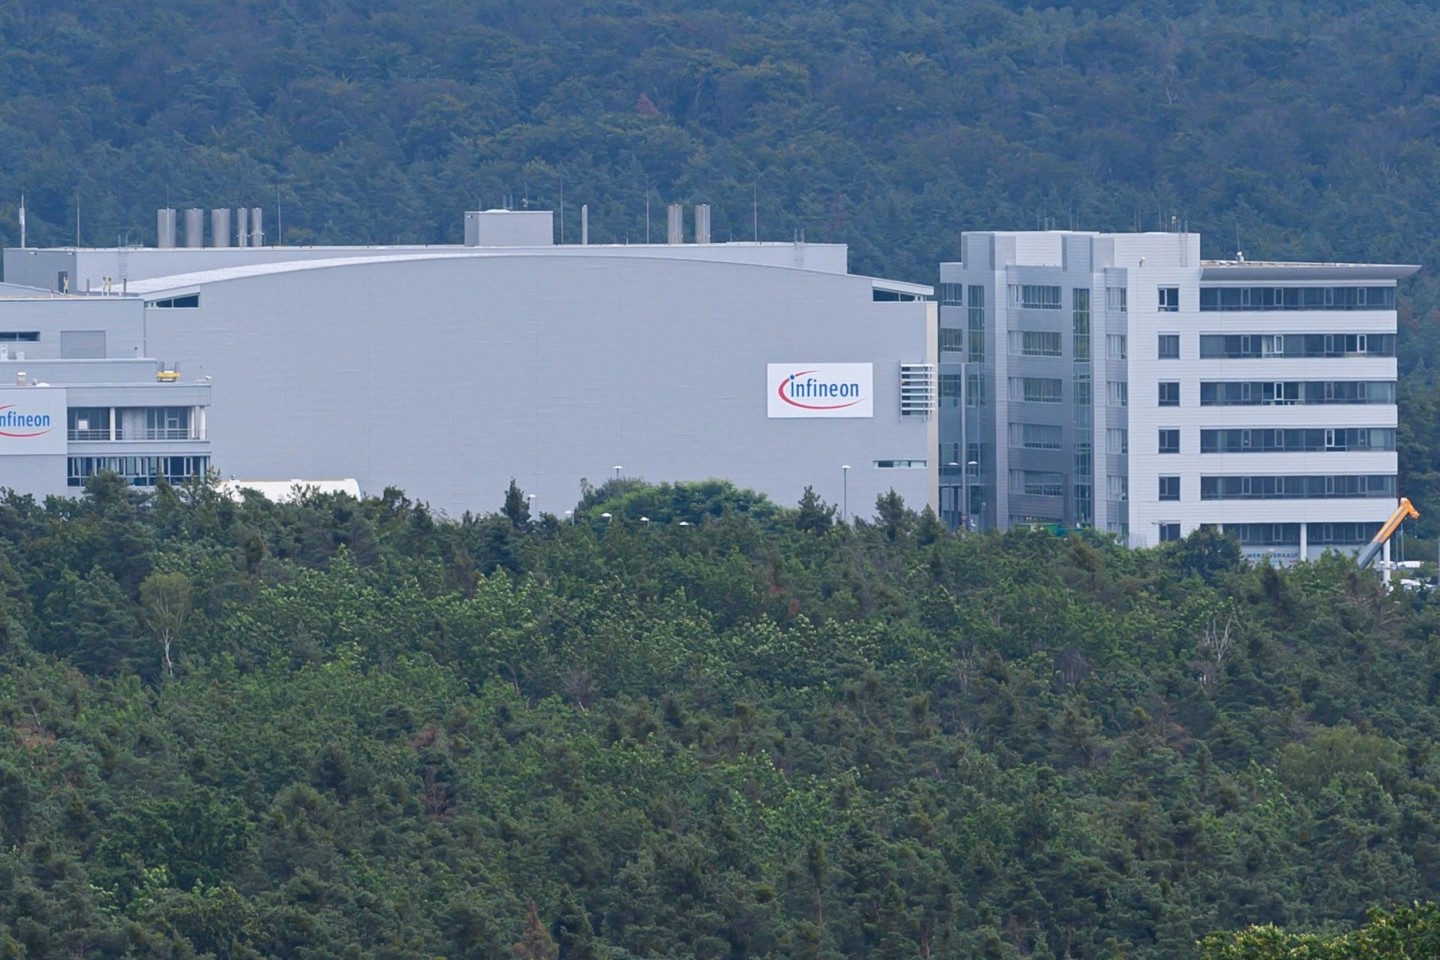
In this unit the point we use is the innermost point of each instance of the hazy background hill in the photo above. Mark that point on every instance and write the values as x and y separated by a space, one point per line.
1288 130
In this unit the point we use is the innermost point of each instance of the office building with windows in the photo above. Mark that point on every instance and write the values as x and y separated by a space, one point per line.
447 371
1120 381
78 396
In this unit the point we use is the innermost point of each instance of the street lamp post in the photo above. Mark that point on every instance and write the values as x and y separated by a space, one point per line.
618 468
845 493
963 505
970 522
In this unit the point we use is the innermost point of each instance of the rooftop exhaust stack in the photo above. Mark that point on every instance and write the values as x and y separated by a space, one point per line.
257 234
220 227
584 224
702 223
242 226
676 216
165 228
194 228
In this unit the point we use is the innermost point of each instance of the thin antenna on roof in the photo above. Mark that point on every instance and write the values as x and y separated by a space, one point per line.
22 220
755 209
647 214
77 218
562 209
279 219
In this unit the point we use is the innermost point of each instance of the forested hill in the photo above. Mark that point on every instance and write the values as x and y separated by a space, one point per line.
1300 129
733 731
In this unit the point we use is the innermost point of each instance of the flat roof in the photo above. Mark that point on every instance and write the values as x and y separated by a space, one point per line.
1272 270
183 283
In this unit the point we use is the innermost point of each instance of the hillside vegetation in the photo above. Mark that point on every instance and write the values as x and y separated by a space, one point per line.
758 734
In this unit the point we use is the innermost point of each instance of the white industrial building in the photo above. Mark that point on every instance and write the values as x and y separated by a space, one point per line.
446 371
78 395
1122 382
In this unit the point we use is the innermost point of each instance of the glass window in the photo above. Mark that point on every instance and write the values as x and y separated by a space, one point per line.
1168 346
1169 394
1169 488
1169 532
1169 299
1169 440
1034 390
1033 296
1115 346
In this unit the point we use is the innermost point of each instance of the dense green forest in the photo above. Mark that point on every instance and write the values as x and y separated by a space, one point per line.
338 728
1288 130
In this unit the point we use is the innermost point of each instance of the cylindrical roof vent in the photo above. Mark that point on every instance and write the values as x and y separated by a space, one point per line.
257 233
702 223
194 228
165 228
676 217
242 226
220 227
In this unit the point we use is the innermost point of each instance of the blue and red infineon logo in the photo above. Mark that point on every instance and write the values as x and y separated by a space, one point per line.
812 390
22 426
804 390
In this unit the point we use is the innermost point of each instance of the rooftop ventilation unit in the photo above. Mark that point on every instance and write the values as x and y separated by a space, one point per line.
675 215
702 223
165 228
194 228
220 227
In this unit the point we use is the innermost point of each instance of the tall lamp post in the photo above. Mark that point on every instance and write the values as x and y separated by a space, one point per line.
961 505
845 493
970 522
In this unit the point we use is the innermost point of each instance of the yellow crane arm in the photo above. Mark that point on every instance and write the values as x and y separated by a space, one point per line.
1406 510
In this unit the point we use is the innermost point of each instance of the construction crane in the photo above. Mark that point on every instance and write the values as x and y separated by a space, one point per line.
1405 511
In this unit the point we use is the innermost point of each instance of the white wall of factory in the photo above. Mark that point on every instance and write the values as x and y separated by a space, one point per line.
448 375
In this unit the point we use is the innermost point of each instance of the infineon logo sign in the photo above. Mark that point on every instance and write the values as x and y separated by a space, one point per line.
32 420
820 389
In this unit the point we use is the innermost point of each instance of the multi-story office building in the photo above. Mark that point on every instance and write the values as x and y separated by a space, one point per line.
447 371
78 395
1121 382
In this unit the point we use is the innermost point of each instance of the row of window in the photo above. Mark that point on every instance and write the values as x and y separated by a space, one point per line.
1034 343
148 423
137 471
1036 436
1037 483
1034 390
1294 440
1297 298
19 336
1340 486
1279 488
1047 297
1288 534
1246 346
1219 394
1035 296
1287 392
1281 534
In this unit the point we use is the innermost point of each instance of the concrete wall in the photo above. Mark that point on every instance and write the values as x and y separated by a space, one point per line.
448 377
